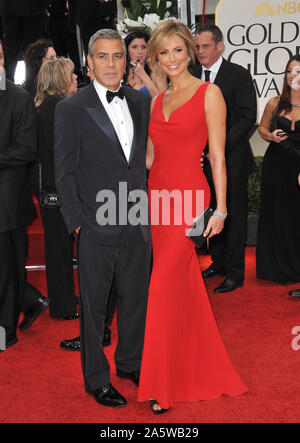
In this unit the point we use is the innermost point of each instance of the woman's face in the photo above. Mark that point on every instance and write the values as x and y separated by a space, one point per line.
293 75
137 50
173 58
73 84
50 54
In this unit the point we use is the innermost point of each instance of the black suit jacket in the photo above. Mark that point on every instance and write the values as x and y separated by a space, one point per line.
237 87
88 158
17 149
23 8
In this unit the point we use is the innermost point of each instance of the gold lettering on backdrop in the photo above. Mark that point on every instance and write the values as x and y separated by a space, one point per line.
282 8
269 10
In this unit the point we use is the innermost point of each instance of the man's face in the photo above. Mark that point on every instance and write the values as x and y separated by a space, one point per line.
108 63
207 50
1 56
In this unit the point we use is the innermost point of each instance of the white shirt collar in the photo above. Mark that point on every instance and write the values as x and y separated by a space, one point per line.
101 90
215 67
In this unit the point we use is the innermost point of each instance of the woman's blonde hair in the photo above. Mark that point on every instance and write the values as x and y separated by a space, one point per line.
164 32
54 78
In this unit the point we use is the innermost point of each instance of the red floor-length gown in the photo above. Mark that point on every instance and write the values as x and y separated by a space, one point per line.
184 358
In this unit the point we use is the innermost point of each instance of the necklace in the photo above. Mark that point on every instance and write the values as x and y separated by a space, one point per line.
295 104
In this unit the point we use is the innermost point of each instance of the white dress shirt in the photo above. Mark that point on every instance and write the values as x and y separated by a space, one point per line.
120 117
214 69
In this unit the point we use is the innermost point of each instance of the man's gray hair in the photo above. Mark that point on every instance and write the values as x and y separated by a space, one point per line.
109 34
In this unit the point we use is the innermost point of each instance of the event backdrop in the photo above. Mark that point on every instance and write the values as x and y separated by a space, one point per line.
261 36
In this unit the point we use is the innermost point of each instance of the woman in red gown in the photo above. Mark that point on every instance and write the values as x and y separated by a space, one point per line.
184 358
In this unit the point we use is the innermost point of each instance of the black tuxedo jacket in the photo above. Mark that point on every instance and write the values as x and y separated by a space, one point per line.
23 8
88 158
18 148
237 87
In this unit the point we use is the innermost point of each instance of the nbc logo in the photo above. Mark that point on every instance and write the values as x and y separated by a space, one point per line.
277 9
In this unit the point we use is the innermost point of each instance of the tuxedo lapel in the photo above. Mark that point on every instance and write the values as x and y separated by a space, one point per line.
222 73
135 112
100 117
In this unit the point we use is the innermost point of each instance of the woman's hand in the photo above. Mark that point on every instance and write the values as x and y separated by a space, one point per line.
214 226
138 70
202 159
299 179
278 138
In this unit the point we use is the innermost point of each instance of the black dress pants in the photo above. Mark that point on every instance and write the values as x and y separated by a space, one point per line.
62 31
59 266
128 261
18 33
228 248
90 25
13 249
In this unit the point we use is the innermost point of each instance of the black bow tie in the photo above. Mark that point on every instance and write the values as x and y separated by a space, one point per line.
110 95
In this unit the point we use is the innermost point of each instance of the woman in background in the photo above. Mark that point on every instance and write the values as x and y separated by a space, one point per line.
138 74
278 241
56 81
36 54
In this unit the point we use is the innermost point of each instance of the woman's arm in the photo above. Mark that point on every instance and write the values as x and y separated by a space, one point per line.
150 147
149 153
215 112
264 126
152 83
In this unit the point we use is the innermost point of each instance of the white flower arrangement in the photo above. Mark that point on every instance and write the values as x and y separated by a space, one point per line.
145 14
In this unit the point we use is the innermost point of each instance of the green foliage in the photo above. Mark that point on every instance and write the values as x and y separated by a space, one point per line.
135 9
138 8
253 191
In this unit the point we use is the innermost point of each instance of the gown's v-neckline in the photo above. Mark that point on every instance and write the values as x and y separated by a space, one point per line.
179 107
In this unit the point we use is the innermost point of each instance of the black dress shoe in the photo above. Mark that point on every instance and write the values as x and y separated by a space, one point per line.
133 376
74 343
71 345
10 340
211 272
33 312
228 285
107 337
72 316
107 396
157 411
295 293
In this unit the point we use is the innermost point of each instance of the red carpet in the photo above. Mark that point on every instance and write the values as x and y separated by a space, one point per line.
42 383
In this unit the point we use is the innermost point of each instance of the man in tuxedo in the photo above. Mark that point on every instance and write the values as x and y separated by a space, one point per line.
100 143
235 82
18 148
23 23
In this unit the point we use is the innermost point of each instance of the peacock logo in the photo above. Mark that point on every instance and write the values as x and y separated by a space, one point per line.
288 8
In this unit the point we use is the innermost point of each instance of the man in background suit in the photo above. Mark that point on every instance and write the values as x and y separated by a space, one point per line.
100 142
93 15
235 82
18 148
23 23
